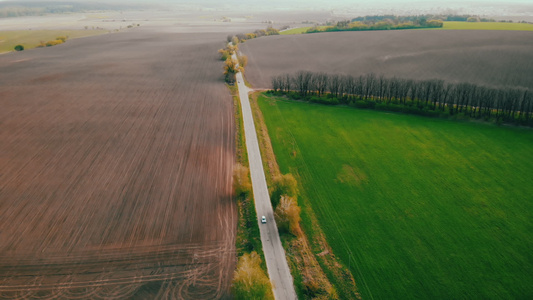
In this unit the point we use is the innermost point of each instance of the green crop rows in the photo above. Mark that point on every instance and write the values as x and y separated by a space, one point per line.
416 207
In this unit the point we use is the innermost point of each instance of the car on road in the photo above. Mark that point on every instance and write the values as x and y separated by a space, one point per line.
263 219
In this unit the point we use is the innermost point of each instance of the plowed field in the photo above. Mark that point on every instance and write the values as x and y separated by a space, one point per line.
116 155
492 58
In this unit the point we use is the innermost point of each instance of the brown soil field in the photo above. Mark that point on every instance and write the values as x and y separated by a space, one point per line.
491 58
116 155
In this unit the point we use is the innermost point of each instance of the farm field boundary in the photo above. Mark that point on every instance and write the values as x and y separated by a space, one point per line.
447 25
487 26
33 38
415 207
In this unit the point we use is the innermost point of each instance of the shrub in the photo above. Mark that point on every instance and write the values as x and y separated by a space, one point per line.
283 185
364 104
241 181
62 38
287 216
243 60
250 281
324 100
19 48
53 43
224 54
435 23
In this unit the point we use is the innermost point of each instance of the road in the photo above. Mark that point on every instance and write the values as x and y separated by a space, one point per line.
278 269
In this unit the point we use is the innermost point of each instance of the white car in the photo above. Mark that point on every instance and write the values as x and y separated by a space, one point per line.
263 219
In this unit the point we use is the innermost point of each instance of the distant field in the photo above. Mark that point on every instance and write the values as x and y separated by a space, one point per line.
493 58
488 26
298 30
451 26
295 31
32 38
416 207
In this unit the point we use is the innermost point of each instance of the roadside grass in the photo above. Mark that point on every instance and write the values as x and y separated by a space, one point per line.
248 238
415 207
487 26
248 235
32 38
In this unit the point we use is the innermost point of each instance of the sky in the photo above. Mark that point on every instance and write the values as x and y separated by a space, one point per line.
397 7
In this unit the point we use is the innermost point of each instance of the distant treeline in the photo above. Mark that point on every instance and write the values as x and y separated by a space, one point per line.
421 18
242 37
27 8
385 24
423 97
392 22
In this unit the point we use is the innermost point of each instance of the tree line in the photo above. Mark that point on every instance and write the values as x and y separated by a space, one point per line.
242 37
417 19
427 97
382 25
9 9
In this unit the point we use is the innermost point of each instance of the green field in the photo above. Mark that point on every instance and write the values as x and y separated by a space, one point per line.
449 26
294 31
488 26
416 207
32 38
299 30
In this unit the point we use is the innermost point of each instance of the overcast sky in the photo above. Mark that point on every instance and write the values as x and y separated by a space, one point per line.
363 7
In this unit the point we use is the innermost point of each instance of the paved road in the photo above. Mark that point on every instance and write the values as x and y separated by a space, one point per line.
278 269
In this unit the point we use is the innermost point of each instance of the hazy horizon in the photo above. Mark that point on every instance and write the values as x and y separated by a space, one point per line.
339 7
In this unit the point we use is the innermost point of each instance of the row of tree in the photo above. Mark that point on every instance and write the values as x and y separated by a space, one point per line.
476 101
386 24
419 19
242 37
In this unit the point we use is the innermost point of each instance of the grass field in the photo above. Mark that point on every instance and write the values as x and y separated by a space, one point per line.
450 26
32 38
416 207
488 26
298 30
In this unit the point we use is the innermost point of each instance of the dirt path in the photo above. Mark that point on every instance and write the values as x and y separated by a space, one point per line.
278 269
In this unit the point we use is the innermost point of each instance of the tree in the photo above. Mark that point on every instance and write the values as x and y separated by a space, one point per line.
435 23
19 48
320 82
230 70
283 185
234 40
287 215
272 31
242 185
243 61
250 281
302 81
